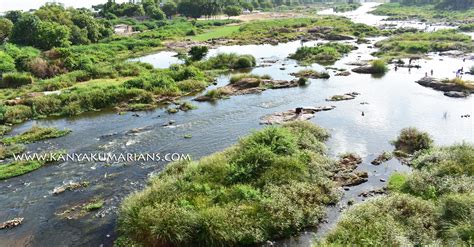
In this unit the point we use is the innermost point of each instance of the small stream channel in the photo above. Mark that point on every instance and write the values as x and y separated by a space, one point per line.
394 100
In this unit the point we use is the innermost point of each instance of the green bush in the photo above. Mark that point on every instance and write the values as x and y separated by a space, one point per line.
223 200
16 79
7 63
198 52
389 221
224 61
379 66
327 53
411 140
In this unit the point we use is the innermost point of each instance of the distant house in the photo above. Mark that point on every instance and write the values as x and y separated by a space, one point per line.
123 29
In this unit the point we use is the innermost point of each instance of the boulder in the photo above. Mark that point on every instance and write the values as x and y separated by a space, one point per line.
305 113
367 69
11 223
333 36
347 96
384 157
343 73
450 89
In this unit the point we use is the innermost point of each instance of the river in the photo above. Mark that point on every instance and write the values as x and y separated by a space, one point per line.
394 100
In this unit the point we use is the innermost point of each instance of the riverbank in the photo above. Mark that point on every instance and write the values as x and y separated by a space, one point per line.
363 125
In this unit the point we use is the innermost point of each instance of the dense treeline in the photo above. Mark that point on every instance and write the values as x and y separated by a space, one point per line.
190 8
53 26
442 4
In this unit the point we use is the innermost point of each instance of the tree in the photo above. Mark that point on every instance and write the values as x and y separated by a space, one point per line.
155 12
190 8
25 29
169 8
248 6
6 27
54 12
13 15
51 34
198 52
233 10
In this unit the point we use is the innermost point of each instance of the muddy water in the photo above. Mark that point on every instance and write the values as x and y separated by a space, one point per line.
394 101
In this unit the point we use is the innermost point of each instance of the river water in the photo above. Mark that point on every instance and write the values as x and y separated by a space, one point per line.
394 100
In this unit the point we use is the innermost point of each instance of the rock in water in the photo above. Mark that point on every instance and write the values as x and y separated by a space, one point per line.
11 223
291 115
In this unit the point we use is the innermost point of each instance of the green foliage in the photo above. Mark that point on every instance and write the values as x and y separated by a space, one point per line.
6 27
169 8
346 7
232 10
16 79
390 221
198 52
18 168
327 53
442 183
7 64
379 66
10 151
36 133
95 205
237 77
225 61
409 44
54 26
411 140
266 186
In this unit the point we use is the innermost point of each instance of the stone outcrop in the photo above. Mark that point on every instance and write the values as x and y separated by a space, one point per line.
450 89
345 173
11 223
347 96
367 69
384 157
292 115
248 85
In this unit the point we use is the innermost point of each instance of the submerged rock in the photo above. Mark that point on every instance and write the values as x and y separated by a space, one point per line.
305 113
11 223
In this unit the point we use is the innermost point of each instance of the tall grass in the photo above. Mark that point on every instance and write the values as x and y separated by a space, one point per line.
271 184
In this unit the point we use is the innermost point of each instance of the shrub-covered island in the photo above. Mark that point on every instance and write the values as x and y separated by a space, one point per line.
433 205
271 184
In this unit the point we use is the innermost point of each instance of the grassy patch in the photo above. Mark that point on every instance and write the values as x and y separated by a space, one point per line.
425 12
433 205
10 150
18 168
36 133
325 54
94 205
420 43
218 32
271 184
